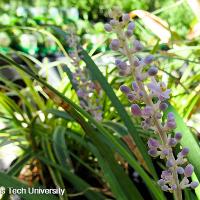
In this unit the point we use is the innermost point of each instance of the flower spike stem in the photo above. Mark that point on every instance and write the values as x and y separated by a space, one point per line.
145 88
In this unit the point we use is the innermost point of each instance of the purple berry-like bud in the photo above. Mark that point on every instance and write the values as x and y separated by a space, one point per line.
125 17
165 188
188 170
123 72
129 33
163 106
172 142
125 89
148 59
137 45
147 111
115 44
153 152
80 93
158 115
135 109
185 151
165 152
180 170
174 187
108 27
136 62
171 124
194 184
117 62
122 65
113 22
135 86
161 182
170 116
131 26
131 97
170 163
178 136
153 143
152 71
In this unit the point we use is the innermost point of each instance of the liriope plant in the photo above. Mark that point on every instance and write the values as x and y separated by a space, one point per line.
148 97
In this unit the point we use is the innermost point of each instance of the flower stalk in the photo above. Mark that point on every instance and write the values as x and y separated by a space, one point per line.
147 90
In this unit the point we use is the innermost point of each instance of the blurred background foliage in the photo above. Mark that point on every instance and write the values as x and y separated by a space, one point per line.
48 139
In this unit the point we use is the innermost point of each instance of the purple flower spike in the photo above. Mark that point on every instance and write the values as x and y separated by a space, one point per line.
152 143
115 44
185 151
152 71
194 184
188 170
148 59
135 109
108 27
170 163
163 106
178 136
131 26
161 182
125 89
153 152
180 170
172 142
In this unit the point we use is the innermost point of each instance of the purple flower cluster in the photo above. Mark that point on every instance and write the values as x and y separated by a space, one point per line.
89 92
143 90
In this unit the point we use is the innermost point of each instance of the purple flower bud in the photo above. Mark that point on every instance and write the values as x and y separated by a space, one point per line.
158 115
136 62
171 124
129 33
165 188
80 93
115 44
108 27
135 86
163 106
147 111
113 22
185 151
170 116
117 62
188 170
161 182
170 163
148 59
122 65
165 152
131 97
131 26
125 89
172 142
137 45
141 93
125 17
174 187
153 143
194 184
123 72
152 71
135 109
180 170
153 152
178 136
